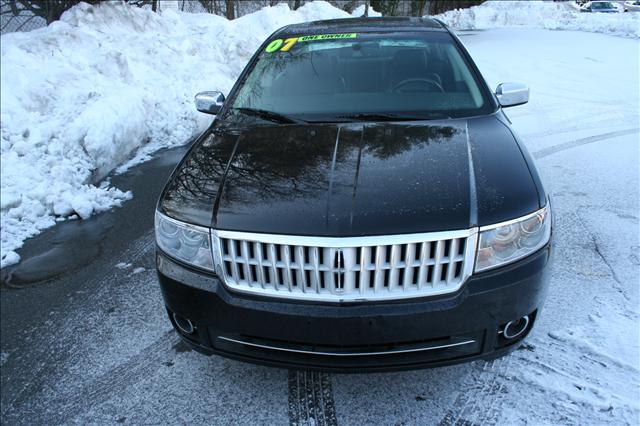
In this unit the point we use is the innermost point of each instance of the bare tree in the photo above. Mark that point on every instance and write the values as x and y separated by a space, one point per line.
441 6
417 7
386 7
208 5
230 9
348 6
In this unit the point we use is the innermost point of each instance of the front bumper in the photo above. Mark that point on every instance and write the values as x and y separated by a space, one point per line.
364 336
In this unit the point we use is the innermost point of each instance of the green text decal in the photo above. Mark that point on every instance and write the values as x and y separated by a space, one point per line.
284 45
327 37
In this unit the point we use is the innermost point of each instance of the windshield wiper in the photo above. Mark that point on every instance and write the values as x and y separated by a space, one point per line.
394 117
276 117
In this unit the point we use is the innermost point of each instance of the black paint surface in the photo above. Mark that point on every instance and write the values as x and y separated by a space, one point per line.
354 179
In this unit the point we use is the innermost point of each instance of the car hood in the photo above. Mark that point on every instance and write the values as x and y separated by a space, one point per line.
354 179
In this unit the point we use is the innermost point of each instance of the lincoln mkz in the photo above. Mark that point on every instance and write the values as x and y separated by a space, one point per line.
361 202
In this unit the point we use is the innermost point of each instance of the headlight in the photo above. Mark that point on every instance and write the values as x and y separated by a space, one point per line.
188 243
507 242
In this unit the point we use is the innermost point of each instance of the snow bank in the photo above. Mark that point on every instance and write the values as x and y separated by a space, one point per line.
106 86
359 12
541 14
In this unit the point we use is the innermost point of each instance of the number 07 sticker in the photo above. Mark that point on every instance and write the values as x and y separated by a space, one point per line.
286 44
281 45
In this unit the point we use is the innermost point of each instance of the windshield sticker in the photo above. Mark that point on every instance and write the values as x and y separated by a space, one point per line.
327 37
284 45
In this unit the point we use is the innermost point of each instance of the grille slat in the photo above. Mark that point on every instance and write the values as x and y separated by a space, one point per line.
316 268
234 264
452 255
393 266
378 275
295 267
271 250
257 249
287 263
245 256
425 249
409 270
363 275
438 269
300 271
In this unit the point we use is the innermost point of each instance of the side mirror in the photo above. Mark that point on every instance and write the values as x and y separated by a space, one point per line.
512 94
209 102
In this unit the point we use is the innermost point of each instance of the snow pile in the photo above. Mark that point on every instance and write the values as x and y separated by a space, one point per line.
105 86
359 12
540 14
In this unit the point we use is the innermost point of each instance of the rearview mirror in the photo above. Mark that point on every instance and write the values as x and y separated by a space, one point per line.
209 102
512 94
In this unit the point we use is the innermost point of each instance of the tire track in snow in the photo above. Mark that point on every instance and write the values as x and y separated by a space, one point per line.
582 141
479 403
311 399
592 126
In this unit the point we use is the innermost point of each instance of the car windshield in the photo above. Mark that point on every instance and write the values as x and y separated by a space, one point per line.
602 5
343 76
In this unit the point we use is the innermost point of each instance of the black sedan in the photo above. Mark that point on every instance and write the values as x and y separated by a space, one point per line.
360 203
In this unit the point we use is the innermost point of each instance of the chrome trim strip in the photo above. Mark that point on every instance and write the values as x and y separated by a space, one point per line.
343 242
544 210
157 217
276 348
473 190
179 223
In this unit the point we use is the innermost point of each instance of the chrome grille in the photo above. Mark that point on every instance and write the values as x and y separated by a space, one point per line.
340 269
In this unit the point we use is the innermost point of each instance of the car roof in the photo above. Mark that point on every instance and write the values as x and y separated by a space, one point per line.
363 25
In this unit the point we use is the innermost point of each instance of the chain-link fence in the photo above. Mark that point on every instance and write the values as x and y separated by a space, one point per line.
18 19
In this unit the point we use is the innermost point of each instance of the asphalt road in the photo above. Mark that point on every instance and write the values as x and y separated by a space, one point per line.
84 341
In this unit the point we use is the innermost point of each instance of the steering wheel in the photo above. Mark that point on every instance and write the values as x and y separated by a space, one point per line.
407 81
